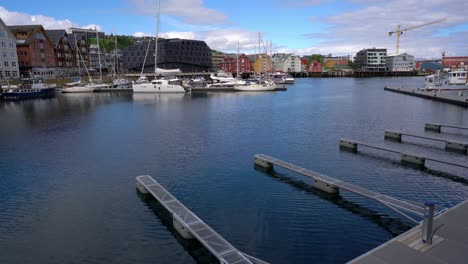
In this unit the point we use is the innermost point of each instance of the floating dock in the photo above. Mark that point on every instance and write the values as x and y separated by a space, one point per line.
189 226
449 242
413 159
449 145
438 127
230 89
448 97
332 185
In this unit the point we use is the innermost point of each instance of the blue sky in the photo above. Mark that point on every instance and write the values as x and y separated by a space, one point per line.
301 26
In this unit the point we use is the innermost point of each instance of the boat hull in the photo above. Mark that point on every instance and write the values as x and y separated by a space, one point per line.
15 95
157 88
78 90
255 87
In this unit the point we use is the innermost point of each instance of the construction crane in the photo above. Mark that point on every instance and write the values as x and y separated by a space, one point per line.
398 31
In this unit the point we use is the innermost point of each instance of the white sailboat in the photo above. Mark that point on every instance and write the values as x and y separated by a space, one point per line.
158 85
78 87
259 84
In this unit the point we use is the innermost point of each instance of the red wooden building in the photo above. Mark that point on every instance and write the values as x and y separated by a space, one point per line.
35 50
230 64
315 67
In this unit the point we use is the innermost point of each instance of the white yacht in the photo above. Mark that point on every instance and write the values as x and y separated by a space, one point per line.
158 85
447 79
256 86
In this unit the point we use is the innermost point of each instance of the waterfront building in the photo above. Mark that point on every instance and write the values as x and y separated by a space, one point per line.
80 50
184 54
262 64
336 63
455 62
9 67
35 51
402 62
97 55
230 63
371 59
286 62
88 33
304 64
315 67
217 58
64 55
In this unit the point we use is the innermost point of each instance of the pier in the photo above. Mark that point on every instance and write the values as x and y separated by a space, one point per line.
190 226
413 159
332 185
448 245
449 145
438 127
447 97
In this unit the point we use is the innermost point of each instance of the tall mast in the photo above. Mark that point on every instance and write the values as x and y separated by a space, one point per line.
99 55
156 44
259 56
237 69
115 56
78 53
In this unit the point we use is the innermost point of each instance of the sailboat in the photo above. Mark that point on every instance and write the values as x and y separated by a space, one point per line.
158 85
90 87
259 84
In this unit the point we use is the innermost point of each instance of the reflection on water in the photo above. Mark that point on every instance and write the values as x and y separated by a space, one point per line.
393 225
158 97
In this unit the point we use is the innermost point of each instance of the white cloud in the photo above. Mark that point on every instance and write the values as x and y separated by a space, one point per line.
142 34
181 35
368 27
19 18
190 11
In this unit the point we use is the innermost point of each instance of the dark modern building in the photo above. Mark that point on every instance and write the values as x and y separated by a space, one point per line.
186 55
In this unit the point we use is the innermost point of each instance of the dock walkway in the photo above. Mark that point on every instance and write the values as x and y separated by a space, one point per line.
447 97
449 245
395 204
217 245
449 144
415 159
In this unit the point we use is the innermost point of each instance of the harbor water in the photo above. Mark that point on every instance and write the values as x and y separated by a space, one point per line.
68 166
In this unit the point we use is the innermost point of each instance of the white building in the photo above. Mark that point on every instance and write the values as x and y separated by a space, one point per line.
402 62
371 59
286 62
8 58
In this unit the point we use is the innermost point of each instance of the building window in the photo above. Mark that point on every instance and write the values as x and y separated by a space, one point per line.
13 63
5 54
6 63
7 73
15 73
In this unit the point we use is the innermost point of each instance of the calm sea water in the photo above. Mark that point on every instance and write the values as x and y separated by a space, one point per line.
68 167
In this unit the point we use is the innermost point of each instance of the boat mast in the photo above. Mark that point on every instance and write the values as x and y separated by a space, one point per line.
99 55
156 44
79 55
237 69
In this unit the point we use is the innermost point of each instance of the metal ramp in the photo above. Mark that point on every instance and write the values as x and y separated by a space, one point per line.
217 245
398 205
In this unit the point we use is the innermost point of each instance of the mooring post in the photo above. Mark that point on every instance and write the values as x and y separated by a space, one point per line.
433 127
428 222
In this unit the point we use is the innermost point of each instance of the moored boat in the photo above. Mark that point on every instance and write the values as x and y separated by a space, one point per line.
29 88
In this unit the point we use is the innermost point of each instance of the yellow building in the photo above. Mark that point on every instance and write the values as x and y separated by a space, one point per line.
262 64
